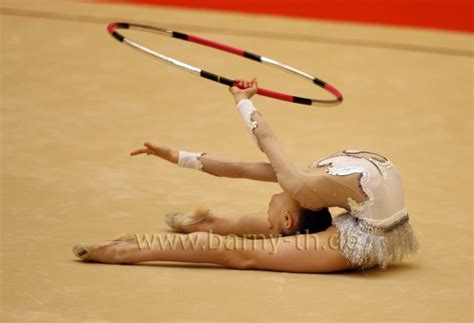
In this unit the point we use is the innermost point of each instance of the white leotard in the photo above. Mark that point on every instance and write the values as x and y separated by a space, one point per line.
379 180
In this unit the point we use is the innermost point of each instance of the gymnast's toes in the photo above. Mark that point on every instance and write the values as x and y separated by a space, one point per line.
110 251
83 250
169 218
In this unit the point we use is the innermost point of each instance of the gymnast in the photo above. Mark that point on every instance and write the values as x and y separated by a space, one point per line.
297 233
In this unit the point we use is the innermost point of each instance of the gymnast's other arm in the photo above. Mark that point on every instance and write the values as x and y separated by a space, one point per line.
211 164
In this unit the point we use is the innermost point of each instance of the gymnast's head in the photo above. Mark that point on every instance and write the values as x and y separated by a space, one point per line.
287 217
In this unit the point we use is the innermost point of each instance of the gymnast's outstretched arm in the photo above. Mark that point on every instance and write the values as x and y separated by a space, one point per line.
299 185
210 164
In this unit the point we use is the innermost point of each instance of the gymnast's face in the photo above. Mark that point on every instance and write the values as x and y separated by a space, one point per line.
283 213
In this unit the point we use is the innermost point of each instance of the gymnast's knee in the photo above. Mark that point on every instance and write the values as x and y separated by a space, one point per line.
238 260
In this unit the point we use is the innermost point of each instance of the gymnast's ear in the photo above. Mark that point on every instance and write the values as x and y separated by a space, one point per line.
288 220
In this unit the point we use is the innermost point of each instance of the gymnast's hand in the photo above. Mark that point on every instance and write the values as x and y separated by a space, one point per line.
159 151
243 89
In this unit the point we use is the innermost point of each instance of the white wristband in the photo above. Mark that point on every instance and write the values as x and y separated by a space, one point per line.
246 110
190 160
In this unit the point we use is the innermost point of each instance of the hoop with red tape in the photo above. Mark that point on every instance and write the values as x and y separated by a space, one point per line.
112 29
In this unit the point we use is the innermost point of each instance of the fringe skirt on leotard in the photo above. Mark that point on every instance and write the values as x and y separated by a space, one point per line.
367 245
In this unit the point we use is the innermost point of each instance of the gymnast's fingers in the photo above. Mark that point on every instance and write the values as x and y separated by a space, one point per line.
254 82
140 151
154 148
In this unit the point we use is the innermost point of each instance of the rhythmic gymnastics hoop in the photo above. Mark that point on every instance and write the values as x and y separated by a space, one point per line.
111 28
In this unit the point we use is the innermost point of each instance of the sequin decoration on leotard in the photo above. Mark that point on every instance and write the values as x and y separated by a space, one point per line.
381 164
364 175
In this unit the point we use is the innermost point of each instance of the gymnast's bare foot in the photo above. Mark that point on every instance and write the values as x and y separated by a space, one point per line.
187 223
105 252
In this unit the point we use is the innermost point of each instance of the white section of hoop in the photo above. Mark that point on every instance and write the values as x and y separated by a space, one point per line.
285 67
165 58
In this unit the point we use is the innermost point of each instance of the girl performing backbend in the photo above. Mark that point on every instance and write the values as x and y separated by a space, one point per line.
297 234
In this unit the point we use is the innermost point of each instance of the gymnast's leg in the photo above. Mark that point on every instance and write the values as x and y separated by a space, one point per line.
252 225
290 254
